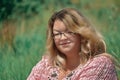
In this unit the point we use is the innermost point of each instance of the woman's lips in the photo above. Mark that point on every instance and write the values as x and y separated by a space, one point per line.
65 43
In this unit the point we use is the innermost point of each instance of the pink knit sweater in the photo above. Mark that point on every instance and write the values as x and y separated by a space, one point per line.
98 68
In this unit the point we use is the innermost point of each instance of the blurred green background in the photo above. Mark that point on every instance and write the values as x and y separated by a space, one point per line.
23 30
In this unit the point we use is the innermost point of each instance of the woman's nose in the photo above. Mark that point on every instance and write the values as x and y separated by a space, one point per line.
63 36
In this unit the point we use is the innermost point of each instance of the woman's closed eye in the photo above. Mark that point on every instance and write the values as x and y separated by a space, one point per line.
57 34
69 32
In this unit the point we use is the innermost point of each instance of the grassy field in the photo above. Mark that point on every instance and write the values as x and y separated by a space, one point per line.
22 41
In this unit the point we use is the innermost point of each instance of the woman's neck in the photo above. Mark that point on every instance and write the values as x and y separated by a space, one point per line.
72 62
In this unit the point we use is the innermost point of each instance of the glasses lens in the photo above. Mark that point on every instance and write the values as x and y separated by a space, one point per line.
57 36
66 34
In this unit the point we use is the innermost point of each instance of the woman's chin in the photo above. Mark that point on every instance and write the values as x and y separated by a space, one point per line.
65 50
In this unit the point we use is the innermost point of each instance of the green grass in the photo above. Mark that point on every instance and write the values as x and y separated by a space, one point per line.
16 68
18 58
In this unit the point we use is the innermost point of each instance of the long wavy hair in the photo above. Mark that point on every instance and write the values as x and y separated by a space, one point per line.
92 43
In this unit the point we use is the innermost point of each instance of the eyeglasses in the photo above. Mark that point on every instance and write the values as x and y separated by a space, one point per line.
58 35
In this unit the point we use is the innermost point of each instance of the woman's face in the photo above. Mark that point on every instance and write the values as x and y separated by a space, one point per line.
66 41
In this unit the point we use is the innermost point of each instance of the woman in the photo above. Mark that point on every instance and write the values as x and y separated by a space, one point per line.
75 51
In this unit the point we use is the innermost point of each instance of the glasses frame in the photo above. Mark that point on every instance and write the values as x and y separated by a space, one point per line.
58 35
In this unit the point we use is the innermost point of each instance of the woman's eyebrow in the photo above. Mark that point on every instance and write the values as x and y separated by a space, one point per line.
60 31
56 30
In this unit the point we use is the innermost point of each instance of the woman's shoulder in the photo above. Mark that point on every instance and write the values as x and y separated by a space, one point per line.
99 67
40 70
42 63
104 59
99 63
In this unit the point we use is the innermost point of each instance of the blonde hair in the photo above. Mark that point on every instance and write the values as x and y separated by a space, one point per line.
92 41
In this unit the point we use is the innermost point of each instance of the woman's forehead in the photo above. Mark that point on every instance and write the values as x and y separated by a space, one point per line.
59 25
